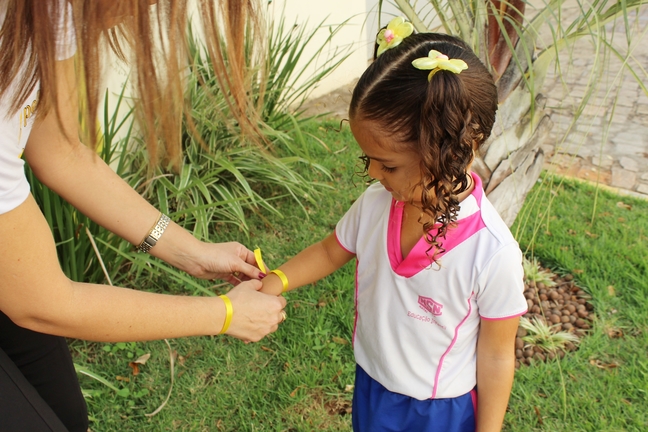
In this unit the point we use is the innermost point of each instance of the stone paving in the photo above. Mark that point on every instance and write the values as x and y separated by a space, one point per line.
608 144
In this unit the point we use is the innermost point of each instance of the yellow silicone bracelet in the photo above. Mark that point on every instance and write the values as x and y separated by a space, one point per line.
259 260
229 312
282 276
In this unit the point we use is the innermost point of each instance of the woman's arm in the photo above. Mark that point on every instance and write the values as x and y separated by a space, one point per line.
495 369
36 295
75 172
310 265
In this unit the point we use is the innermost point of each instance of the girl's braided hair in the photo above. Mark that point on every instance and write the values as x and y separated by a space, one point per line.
444 120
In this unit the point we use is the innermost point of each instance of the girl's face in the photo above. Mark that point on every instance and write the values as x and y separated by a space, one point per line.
395 167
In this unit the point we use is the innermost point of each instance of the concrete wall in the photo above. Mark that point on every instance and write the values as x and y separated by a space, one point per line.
357 34
360 25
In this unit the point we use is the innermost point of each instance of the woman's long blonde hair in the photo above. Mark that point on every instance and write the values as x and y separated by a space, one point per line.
154 36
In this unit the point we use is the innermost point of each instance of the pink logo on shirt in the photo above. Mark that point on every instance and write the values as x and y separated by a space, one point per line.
429 305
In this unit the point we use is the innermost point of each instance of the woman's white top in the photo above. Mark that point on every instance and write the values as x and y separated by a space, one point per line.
16 126
416 324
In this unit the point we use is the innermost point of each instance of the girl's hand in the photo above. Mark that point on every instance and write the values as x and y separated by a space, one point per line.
254 314
231 262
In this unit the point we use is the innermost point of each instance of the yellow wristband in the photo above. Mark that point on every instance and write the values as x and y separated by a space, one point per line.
282 276
259 260
262 267
229 312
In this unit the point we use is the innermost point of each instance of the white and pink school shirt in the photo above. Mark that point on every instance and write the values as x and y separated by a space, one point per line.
417 323
15 127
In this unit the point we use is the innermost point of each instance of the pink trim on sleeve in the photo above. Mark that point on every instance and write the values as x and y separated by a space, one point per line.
341 245
454 339
505 317
355 302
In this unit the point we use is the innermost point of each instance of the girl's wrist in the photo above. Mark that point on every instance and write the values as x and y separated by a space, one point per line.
272 284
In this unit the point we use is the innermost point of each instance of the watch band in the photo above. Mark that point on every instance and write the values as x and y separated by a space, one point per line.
155 233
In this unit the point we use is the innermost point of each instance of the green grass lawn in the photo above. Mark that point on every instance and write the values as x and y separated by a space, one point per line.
602 239
298 378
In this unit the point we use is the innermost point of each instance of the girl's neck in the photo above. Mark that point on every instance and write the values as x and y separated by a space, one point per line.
414 209
414 218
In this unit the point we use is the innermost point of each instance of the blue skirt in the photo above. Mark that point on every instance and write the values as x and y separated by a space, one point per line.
376 409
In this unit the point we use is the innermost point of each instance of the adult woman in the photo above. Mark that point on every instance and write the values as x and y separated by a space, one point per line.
38 113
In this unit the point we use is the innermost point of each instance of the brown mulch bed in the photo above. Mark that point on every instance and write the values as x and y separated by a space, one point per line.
563 306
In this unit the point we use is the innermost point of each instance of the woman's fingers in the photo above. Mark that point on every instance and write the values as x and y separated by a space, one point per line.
230 261
255 314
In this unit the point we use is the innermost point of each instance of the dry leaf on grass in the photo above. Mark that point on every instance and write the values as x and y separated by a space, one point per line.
621 204
339 340
294 392
611 290
140 361
614 333
143 359
599 364
537 411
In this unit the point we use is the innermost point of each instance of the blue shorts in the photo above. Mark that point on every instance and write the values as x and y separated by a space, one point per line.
376 409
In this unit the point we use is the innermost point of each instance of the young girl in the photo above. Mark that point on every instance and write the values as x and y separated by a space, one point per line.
439 276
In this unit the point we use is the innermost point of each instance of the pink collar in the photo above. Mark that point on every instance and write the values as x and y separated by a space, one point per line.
417 259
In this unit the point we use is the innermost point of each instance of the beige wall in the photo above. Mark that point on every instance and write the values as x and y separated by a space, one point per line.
357 35
332 13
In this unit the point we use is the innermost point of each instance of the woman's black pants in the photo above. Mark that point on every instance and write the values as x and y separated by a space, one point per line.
39 390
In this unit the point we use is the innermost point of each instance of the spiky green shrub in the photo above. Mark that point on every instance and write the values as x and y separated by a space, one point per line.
534 273
547 338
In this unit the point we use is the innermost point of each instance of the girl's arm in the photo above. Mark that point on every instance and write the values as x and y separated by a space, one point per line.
310 265
495 369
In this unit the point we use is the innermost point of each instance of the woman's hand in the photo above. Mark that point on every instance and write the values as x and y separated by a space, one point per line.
231 262
254 314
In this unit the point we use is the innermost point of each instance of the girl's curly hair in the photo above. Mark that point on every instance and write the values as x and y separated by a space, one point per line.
444 120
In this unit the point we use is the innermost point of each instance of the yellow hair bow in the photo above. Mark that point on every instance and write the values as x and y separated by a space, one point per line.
397 30
435 61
